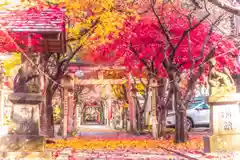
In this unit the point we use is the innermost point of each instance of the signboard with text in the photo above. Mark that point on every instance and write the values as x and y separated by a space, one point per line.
154 105
65 119
226 119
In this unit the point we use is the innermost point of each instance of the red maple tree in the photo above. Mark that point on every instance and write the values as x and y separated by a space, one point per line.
168 43
142 43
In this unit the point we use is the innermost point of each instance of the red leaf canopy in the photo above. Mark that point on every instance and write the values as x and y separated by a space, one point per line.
16 41
7 44
15 26
145 40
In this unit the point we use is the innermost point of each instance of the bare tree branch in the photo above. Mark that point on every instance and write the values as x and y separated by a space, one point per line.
137 55
172 54
226 6
165 31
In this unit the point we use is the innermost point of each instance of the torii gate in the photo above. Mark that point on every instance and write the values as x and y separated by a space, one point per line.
68 92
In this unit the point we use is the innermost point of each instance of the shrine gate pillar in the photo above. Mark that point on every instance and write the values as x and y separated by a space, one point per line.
109 105
68 85
71 111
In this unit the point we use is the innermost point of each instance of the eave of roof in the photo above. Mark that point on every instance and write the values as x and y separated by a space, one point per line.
46 20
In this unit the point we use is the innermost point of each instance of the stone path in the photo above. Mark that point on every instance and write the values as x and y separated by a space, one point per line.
104 132
117 155
96 130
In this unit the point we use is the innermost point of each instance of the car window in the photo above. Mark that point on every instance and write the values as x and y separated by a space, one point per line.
203 106
196 102
193 105
197 99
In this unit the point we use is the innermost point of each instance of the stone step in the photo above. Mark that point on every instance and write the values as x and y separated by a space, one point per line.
26 155
22 143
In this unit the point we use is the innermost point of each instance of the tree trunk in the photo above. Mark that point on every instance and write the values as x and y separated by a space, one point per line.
161 122
138 122
46 119
181 133
162 106
140 118
142 124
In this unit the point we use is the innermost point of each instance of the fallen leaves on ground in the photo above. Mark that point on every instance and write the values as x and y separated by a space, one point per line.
90 143
130 144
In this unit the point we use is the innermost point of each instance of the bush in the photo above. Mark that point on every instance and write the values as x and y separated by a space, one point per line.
6 121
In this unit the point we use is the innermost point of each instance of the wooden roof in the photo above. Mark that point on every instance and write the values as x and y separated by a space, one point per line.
49 23
32 20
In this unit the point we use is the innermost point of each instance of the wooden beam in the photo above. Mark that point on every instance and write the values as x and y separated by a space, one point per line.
103 81
97 68
99 81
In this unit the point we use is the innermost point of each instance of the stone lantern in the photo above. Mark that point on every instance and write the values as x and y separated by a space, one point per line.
154 85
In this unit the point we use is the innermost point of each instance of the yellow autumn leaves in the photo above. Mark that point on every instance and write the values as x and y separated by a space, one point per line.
92 144
140 87
113 144
11 64
82 15
118 90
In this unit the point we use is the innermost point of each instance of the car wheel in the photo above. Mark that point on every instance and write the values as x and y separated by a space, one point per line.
189 124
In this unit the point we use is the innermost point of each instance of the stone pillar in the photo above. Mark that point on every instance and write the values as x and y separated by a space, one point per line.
109 105
23 130
105 115
224 124
77 117
132 107
65 112
109 112
153 85
70 110
68 84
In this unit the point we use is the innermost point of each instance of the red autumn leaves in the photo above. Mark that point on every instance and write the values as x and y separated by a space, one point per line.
144 42
16 25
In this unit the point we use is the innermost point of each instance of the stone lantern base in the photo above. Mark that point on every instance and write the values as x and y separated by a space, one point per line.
23 139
